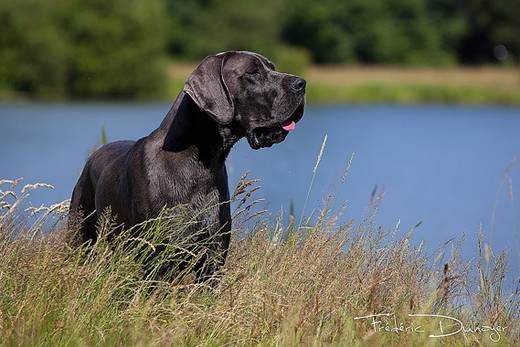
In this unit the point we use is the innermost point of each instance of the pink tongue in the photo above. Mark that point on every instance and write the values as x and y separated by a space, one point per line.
288 125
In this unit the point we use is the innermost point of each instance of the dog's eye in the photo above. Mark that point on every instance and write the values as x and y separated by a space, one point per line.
253 72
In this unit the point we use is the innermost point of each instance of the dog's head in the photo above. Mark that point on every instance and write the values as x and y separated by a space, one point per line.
243 88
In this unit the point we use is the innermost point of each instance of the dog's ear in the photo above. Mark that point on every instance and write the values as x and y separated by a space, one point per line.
207 88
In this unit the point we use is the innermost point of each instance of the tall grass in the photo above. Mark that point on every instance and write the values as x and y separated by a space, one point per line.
281 286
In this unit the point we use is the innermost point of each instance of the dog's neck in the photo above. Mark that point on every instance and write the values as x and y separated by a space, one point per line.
186 127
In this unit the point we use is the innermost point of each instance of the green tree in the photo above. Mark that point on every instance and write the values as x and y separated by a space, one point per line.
118 48
84 49
372 31
220 25
451 22
491 23
319 27
183 20
34 50
203 27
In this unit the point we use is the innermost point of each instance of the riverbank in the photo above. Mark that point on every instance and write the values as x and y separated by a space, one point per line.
408 85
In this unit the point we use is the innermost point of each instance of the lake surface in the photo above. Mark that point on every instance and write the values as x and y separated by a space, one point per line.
441 165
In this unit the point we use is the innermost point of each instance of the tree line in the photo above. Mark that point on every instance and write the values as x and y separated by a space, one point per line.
119 48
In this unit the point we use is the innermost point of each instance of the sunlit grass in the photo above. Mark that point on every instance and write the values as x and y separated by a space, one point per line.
282 286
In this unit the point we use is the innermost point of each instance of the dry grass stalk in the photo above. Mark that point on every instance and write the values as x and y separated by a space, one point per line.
304 288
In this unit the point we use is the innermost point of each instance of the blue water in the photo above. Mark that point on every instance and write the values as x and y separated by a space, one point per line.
442 165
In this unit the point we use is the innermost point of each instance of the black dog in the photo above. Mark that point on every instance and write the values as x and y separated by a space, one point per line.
228 96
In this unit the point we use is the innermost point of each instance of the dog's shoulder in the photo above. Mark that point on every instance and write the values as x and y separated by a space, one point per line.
107 155
112 149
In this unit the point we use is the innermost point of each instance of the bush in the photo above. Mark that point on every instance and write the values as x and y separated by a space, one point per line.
292 59
34 52
118 48
364 30
208 27
83 49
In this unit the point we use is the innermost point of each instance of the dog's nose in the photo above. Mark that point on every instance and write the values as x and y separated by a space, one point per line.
298 85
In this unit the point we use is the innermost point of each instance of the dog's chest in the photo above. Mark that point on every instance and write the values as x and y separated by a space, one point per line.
196 207
185 184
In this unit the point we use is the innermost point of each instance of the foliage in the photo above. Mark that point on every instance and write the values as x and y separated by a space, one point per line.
371 31
337 31
33 47
116 48
82 48
207 27
491 23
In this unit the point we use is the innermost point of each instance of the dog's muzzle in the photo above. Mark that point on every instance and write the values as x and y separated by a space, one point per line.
269 135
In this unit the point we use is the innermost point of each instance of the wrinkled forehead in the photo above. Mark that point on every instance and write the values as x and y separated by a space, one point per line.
241 61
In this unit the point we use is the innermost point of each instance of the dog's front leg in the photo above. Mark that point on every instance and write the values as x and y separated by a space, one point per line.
213 259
